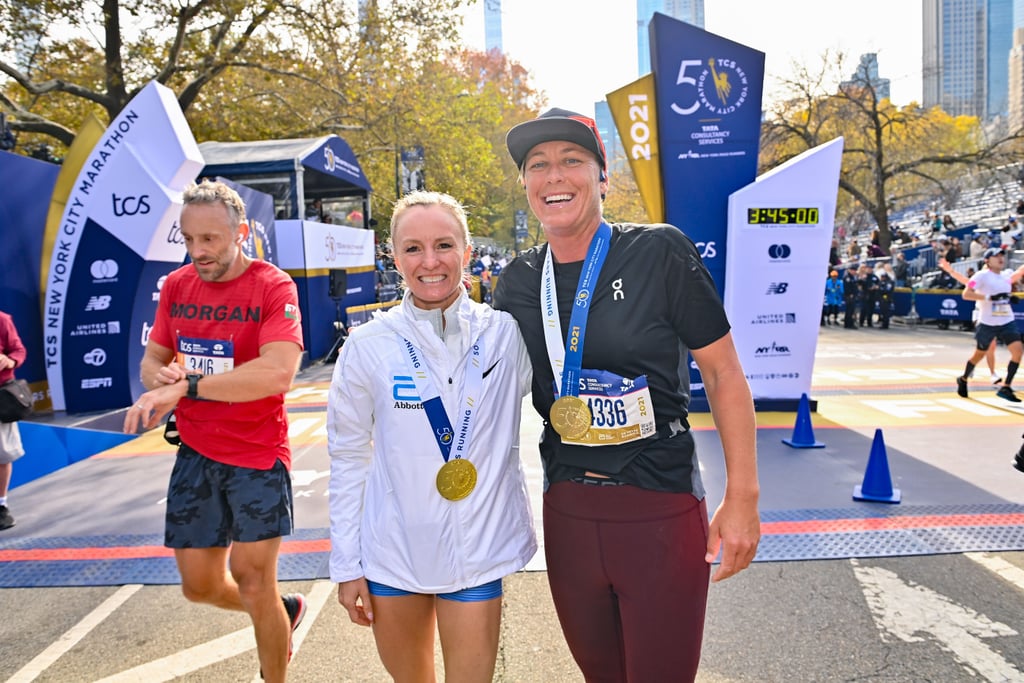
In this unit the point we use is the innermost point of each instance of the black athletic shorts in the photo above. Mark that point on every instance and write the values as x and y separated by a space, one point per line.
210 504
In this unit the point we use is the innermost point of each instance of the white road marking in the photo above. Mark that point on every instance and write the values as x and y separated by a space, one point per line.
906 408
231 645
70 638
910 612
1005 570
976 407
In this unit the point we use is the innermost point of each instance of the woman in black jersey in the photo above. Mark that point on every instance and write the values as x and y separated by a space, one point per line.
609 313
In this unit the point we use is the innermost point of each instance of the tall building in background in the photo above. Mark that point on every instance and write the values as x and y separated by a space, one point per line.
492 26
1015 71
966 50
617 162
867 74
690 11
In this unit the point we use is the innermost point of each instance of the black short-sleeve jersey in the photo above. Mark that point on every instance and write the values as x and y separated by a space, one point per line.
653 301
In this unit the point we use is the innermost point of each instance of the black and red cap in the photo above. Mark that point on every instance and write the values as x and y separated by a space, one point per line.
555 124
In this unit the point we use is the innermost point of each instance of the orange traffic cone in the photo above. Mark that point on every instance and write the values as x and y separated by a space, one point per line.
803 431
877 486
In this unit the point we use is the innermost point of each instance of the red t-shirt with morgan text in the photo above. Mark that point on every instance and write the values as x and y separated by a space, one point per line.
214 327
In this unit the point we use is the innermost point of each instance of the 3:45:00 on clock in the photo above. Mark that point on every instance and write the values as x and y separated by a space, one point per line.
783 216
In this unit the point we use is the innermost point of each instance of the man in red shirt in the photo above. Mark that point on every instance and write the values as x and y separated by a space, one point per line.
223 351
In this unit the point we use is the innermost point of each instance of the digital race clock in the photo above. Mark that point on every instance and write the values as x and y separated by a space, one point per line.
783 216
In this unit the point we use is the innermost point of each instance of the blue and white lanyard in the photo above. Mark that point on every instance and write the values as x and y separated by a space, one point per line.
430 397
566 356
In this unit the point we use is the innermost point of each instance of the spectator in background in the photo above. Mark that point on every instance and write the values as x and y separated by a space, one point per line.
955 251
833 299
12 355
947 223
979 243
833 253
884 295
1010 234
851 294
853 251
868 283
900 270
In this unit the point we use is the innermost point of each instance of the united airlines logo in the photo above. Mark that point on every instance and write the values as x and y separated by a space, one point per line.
777 288
774 319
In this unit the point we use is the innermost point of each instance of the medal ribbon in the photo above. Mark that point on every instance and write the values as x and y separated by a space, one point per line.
567 358
446 438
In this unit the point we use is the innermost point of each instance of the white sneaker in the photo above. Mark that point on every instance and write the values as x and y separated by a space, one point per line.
996 380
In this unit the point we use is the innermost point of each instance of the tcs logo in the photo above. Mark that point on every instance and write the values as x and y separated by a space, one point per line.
129 205
706 249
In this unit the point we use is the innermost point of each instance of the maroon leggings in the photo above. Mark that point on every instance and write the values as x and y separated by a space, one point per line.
629 580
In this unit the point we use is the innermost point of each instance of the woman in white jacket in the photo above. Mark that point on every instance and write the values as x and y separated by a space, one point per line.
428 501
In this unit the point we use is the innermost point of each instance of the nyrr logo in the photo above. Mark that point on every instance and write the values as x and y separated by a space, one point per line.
129 205
403 389
779 252
332 248
777 288
98 303
772 350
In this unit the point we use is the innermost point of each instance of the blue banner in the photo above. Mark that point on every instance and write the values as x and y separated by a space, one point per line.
27 185
708 92
259 210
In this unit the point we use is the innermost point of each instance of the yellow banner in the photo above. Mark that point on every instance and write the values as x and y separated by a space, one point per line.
633 109
88 135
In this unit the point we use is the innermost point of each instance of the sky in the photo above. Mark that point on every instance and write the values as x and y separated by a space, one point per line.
578 54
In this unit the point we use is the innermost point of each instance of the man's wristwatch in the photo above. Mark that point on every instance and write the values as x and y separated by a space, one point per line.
193 384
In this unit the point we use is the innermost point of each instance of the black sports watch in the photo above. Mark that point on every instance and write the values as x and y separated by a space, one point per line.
193 384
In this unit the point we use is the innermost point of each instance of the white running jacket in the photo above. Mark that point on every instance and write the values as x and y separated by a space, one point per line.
388 521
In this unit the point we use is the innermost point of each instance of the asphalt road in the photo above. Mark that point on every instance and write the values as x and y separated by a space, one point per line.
889 614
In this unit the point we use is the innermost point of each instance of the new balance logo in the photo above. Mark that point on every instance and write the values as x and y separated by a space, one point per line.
777 288
98 303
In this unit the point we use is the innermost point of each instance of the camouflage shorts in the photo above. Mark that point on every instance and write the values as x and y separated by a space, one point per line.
210 504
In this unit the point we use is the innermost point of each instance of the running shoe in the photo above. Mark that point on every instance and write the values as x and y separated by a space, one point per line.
961 387
996 380
295 605
1007 393
6 519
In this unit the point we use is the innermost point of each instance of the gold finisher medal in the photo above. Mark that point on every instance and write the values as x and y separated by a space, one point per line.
456 479
570 417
